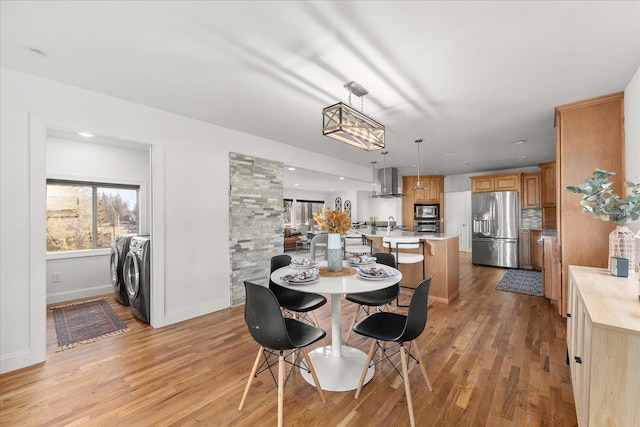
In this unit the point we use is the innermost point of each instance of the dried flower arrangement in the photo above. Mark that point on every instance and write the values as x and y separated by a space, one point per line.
334 221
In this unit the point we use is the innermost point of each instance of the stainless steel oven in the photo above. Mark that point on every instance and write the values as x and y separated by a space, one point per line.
426 226
424 211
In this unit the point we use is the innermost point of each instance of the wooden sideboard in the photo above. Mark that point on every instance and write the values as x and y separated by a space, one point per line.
603 341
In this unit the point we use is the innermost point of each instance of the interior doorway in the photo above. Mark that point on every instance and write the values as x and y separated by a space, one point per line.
457 215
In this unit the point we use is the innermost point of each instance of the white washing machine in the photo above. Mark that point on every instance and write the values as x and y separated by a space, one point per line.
137 277
119 251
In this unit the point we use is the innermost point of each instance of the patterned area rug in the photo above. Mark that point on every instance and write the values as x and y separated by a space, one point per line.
86 322
522 282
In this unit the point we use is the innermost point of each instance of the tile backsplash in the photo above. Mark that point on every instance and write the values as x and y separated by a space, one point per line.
531 218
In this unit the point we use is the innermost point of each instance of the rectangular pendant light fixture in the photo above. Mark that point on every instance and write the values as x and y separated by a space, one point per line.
346 124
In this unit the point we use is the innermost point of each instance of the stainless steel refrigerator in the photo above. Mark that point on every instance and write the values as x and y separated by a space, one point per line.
495 228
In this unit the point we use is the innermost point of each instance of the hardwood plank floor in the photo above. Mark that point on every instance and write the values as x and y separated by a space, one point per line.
494 358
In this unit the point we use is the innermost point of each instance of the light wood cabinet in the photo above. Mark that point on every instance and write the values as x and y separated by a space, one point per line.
548 184
603 343
590 135
536 250
548 194
433 194
525 249
530 190
500 182
551 267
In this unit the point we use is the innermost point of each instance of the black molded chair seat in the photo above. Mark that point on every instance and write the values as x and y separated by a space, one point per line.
275 334
295 301
378 298
386 327
300 303
375 298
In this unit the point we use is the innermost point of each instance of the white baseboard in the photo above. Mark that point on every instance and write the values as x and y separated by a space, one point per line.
58 297
199 310
18 360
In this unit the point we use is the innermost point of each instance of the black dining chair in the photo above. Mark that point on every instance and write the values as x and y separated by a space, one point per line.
397 328
300 304
372 300
277 335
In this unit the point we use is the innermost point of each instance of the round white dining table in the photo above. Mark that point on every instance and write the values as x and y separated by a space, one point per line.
338 366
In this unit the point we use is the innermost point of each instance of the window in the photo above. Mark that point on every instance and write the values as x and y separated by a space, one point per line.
306 208
82 215
288 208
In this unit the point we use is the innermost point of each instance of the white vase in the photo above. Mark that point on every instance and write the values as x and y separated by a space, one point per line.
622 245
334 252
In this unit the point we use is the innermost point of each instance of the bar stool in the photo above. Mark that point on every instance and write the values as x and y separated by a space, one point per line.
356 244
405 242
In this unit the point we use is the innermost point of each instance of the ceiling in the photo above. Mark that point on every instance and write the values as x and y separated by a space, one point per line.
468 77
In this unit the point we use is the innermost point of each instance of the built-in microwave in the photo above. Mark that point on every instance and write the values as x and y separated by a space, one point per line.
424 211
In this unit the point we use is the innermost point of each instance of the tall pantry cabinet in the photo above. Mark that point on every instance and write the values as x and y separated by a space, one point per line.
589 135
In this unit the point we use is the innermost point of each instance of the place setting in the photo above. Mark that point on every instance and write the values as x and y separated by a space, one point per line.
303 262
374 272
301 276
361 260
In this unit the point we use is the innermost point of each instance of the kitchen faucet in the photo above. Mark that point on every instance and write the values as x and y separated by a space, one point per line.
389 223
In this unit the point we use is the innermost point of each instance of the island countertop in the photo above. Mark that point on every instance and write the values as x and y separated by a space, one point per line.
440 259
382 232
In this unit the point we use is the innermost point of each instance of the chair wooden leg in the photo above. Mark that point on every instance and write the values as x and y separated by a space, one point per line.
305 353
422 367
352 324
280 389
372 350
407 389
253 374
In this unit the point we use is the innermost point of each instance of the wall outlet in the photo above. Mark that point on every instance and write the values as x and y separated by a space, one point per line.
57 277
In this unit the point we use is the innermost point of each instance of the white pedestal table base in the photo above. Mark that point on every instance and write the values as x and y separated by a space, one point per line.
338 373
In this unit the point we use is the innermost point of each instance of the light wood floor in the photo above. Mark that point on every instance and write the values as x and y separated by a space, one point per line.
494 358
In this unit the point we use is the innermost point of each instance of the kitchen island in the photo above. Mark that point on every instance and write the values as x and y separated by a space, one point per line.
440 252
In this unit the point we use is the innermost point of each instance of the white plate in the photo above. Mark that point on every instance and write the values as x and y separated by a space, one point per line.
301 266
360 264
363 276
303 282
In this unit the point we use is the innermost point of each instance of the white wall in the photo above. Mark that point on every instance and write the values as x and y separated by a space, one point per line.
190 185
632 141
87 273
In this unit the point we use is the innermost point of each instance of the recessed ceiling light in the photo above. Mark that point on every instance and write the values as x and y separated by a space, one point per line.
449 153
342 177
36 52
413 165
524 156
518 142
291 168
331 189
464 164
295 185
86 134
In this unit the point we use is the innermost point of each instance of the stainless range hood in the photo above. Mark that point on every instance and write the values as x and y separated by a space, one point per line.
389 181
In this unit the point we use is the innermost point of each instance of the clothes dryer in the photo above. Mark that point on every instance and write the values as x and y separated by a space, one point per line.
119 251
137 277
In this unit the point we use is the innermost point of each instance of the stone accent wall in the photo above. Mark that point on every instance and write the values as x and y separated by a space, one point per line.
255 219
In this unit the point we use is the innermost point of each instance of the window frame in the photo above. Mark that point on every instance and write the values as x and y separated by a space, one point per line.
139 187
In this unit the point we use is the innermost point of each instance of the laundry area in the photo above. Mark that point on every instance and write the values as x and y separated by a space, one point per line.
103 249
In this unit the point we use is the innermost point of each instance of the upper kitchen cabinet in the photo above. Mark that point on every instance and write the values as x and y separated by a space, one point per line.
548 194
501 182
434 193
530 190
590 135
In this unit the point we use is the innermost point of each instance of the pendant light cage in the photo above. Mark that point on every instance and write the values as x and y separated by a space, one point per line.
346 124
418 186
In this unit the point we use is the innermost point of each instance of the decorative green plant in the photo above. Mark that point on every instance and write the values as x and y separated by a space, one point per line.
600 200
